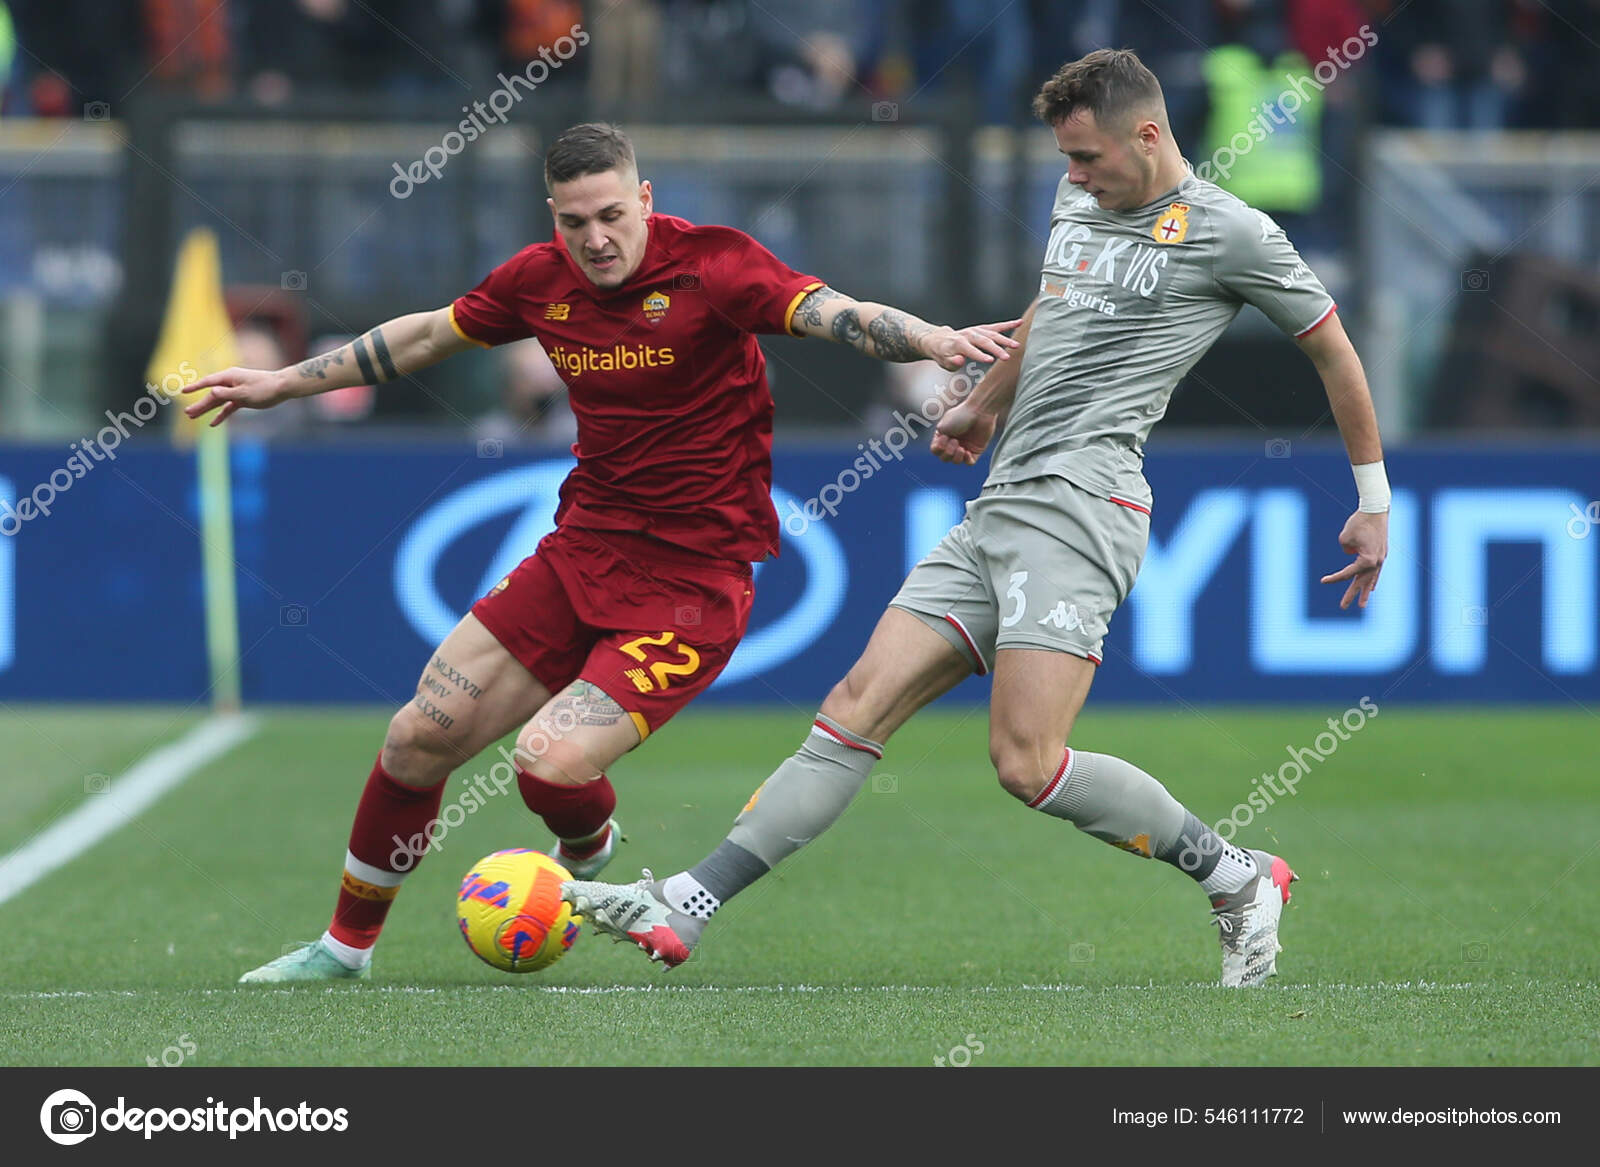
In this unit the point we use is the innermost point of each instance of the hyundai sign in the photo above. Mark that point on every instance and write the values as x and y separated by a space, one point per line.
354 561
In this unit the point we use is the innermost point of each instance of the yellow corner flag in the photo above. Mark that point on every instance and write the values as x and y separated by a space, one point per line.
196 333
197 339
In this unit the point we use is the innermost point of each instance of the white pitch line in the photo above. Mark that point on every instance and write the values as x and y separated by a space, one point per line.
447 995
126 798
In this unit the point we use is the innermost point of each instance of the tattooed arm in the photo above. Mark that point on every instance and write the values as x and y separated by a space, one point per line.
392 349
892 335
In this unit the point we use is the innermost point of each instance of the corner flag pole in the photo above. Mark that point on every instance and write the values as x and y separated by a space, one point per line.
196 339
221 597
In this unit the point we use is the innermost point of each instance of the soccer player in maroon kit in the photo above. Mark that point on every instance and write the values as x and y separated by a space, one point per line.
636 601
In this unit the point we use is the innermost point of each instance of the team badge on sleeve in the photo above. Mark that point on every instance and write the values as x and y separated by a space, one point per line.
1173 224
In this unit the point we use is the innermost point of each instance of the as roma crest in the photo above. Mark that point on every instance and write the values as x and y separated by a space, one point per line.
655 306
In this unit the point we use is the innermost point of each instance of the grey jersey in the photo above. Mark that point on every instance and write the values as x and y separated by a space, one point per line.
1128 302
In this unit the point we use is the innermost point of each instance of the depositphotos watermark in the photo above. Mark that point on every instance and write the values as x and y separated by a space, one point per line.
90 452
502 777
961 1054
1584 521
1280 784
175 1054
1289 102
876 454
1301 759
68 1117
504 99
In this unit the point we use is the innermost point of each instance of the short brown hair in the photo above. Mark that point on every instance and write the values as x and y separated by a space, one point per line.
592 148
1109 83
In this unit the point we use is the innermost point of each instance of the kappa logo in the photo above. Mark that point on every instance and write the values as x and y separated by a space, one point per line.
1138 845
1063 616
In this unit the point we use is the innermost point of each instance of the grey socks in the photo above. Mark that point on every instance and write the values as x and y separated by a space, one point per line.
807 794
803 797
1117 802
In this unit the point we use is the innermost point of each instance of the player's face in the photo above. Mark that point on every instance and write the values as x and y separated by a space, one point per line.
1114 167
603 219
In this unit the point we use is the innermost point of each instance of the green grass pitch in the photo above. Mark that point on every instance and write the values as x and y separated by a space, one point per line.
1444 916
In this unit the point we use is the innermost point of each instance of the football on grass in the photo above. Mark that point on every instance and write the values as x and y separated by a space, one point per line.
511 911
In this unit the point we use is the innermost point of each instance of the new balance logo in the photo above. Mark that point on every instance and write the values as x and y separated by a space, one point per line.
1063 616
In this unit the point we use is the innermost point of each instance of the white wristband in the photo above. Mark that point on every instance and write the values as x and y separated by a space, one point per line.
1372 487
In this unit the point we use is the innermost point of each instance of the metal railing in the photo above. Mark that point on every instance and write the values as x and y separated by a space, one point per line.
1439 210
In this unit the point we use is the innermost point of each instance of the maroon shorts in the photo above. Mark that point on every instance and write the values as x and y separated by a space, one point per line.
649 623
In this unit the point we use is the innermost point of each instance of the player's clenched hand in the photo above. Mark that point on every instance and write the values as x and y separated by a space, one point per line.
236 389
953 348
1366 536
962 434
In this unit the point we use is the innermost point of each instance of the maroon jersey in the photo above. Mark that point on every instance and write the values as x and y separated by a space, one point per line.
665 377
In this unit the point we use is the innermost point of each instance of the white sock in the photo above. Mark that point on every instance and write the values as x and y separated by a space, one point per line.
688 895
352 958
1234 869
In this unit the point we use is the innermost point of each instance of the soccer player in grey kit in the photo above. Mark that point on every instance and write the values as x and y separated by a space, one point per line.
1146 266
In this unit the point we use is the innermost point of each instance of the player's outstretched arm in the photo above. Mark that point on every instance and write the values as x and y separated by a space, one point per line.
1366 533
964 431
892 335
392 349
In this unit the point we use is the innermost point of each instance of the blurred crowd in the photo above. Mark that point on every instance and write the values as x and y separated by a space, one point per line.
1479 64
1272 95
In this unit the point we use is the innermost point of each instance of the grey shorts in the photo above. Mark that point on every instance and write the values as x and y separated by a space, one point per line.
1035 564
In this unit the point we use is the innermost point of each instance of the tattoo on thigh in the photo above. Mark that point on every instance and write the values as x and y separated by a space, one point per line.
455 677
586 704
433 713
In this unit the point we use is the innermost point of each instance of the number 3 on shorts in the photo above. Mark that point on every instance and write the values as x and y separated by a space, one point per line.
1014 593
685 666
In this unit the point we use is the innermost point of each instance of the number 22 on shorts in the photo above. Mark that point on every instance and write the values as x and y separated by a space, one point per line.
661 671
